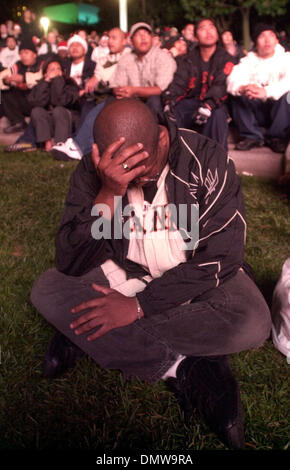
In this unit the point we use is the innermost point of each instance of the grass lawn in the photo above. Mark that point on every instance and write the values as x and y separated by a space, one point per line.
91 408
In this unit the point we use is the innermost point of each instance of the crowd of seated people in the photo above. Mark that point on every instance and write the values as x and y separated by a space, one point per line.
199 77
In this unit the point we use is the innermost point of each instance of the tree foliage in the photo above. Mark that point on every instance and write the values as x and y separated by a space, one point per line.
223 11
157 12
217 8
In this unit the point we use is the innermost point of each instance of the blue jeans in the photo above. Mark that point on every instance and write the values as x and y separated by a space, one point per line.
84 136
28 135
216 127
225 320
250 116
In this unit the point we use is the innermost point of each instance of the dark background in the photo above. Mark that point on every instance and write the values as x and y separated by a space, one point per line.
157 12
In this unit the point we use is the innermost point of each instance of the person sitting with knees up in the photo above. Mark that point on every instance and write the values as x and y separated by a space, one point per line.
260 86
197 95
52 101
15 83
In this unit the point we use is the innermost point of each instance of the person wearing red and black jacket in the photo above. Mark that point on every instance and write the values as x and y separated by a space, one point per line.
16 84
196 97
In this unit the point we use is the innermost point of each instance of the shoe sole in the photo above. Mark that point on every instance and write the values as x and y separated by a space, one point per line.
33 149
58 155
61 156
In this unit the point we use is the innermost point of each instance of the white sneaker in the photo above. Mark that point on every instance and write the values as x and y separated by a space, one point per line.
67 150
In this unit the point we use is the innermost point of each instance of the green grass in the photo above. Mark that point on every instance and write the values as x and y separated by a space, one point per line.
91 408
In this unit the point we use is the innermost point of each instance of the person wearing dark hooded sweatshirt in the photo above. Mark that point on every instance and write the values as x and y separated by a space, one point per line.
16 83
197 95
53 101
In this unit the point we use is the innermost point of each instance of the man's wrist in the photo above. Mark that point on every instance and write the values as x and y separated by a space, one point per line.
140 313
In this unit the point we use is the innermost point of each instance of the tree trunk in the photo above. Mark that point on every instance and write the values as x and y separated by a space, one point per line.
246 27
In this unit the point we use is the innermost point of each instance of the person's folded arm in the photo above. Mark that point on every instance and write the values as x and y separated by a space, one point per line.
39 94
180 85
220 248
62 92
240 76
208 268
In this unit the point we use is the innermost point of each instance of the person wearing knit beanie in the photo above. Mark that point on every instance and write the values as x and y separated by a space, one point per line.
62 45
78 39
260 86
20 78
62 49
27 44
259 29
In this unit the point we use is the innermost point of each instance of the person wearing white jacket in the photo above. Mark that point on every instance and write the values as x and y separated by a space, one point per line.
260 86
9 55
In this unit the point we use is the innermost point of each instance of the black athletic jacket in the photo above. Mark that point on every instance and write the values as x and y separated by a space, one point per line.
200 172
60 91
208 86
88 70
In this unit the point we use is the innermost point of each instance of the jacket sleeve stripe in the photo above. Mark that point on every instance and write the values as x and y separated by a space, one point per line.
221 228
218 195
193 154
218 270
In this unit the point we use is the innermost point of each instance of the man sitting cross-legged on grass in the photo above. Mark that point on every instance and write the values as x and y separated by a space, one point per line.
137 286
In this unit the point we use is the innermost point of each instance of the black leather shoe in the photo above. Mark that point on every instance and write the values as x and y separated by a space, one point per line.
207 386
277 145
60 356
248 144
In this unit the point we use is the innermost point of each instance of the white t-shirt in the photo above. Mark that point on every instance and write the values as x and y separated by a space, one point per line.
9 57
76 72
156 250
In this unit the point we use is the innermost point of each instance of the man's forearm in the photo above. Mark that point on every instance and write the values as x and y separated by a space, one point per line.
145 92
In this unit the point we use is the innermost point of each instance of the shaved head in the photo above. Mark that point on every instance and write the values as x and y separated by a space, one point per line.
117 40
118 31
129 118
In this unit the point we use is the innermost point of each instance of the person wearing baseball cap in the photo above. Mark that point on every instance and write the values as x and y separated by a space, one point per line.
141 73
146 71
137 26
259 86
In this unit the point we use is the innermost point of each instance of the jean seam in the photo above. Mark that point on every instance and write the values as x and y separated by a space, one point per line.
164 365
